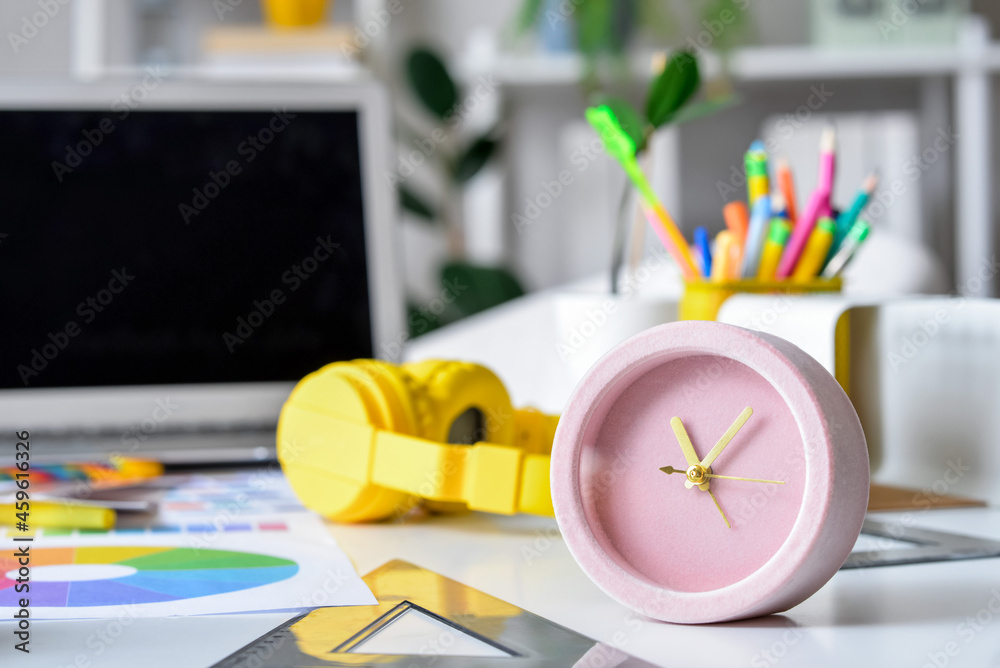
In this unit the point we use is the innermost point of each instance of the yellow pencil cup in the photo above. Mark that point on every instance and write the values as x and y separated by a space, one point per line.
703 299
294 13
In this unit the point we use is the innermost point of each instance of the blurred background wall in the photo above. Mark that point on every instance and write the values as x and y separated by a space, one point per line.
887 112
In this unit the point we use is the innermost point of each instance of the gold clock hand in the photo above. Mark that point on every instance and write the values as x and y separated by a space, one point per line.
732 477
727 437
724 518
684 440
670 469
688 449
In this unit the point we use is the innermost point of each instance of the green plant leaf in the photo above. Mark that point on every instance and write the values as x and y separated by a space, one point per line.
629 119
527 16
475 288
703 108
595 26
421 319
473 159
413 203
674 86
732 16
659 19
430 81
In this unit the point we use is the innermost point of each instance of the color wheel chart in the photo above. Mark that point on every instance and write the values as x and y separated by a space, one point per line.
122 574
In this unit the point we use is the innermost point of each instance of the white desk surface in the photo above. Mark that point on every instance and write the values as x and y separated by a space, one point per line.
878 617
890 616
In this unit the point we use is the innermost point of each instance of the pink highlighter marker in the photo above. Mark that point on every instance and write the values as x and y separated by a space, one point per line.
827 158
819 202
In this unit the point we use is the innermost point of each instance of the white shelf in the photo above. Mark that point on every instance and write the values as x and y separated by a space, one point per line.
768 63
968 65
806 62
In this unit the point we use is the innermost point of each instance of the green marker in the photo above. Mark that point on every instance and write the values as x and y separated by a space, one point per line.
621 147
846 219
848 249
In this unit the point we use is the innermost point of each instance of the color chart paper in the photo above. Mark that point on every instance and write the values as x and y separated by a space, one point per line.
157 575
223 543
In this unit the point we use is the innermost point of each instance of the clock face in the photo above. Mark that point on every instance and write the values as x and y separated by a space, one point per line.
673 533
702 472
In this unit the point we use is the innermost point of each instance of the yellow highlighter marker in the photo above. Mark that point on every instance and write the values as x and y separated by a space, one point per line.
814 254
777 237
52 515
722 257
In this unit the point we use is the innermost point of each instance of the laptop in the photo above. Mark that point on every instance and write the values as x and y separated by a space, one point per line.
174 255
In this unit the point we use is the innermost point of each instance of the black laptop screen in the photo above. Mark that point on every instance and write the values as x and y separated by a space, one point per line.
179 247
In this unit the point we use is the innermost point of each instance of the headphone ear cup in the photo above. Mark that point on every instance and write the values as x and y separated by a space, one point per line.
366 392
460 402
535 430
449 390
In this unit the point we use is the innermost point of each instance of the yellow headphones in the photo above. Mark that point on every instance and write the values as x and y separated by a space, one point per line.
365 440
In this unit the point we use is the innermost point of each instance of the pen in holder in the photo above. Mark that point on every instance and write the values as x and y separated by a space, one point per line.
702 299
768 247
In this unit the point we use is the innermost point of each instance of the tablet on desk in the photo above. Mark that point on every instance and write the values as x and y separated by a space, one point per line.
173 262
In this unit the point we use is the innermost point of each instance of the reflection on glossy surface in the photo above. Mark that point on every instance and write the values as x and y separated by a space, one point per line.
334 636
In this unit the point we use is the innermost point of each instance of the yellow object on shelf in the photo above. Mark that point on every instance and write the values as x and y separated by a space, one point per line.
703 299
294 13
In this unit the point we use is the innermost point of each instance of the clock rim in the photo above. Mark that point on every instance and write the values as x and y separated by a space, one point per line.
830 513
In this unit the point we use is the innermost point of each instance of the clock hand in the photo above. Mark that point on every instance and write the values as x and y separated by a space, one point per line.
724 518
687 448
727 437
670 469
684 440
732 477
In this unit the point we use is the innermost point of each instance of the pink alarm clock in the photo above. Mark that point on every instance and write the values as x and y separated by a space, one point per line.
705 473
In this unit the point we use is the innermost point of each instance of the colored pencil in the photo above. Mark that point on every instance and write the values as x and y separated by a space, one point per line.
827 158
848 250
786 185
814 254
846 220
737 220
755 164
818 205
703 250
722 269
759 218
777 237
